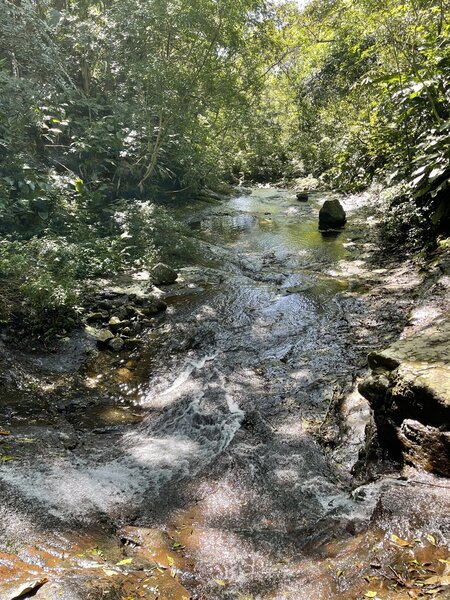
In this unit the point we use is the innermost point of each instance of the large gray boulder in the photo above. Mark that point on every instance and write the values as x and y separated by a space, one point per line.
162 274
332 215
409 393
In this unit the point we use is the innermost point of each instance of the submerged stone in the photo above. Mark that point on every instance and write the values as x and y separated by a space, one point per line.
302 196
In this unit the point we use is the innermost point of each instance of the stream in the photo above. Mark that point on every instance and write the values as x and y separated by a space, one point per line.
221 431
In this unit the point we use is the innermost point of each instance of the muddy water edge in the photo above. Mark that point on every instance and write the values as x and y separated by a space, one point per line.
217 459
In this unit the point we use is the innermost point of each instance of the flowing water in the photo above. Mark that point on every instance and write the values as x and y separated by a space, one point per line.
223 410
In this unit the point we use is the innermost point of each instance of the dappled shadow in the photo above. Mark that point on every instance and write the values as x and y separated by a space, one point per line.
230 401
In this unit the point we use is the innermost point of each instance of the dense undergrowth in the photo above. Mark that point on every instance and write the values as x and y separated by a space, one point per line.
46 277
108 111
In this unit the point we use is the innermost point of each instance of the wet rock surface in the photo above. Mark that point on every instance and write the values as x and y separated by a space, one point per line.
224 439
409 392
426 447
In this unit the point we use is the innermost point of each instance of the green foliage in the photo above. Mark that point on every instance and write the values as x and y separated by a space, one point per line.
109 109
51 273
367 89
49 296
405 223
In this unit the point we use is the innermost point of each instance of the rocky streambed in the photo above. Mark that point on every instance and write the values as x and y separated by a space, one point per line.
225 451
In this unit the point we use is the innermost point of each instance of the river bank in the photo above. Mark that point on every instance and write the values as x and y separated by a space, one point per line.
214 460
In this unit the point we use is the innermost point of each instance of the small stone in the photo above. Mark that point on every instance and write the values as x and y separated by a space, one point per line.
147 322
104 304
133 311
116 344
96 316
114 323
154 309
302 196
162 274
152 305
121 313
104 336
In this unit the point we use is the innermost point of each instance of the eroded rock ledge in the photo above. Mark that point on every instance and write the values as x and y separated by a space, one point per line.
409 393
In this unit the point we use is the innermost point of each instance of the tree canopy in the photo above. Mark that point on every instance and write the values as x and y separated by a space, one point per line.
106 103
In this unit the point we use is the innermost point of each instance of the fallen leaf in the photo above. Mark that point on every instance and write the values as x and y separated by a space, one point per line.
125 561
399 541
170 560
431 539
110 572
26 588
438 580
370 594
220 582
339 573
6 458
5 433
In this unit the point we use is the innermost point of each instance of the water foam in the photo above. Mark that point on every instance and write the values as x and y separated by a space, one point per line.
189 433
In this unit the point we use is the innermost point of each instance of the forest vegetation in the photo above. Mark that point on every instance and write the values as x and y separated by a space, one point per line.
111 110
